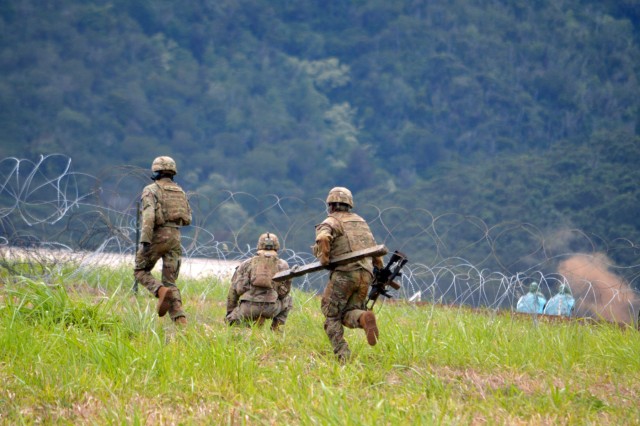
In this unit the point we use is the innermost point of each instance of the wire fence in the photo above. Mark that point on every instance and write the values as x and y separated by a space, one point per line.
52 215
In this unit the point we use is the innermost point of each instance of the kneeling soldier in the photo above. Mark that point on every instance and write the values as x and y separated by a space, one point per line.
253 295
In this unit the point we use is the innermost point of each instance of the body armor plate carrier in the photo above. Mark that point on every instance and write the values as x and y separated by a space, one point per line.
172 205
357 235
263 268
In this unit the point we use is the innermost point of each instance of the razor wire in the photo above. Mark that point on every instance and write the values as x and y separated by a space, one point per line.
50 214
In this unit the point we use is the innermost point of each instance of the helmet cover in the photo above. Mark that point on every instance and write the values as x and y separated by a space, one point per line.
340 194
164 163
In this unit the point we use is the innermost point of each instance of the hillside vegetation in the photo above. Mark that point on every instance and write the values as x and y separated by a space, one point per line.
522 111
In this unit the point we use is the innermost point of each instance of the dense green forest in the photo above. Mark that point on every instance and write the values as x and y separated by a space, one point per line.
506 112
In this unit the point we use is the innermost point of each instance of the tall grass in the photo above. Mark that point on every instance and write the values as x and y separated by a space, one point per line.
85 350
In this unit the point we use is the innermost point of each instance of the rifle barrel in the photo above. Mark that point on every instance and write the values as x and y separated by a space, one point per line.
135 281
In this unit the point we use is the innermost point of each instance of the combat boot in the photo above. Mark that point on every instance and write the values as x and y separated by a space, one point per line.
175 310
368 323
165 299
181 321
344 356
276 325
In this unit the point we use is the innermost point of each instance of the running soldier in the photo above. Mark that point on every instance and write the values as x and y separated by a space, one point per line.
344 298
165 209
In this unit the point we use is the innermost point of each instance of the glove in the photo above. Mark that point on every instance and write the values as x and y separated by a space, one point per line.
145 247
378 263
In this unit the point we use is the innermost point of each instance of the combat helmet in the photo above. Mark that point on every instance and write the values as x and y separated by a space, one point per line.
164 163
340 194
268 241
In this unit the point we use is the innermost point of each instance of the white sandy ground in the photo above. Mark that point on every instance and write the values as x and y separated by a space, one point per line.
196 268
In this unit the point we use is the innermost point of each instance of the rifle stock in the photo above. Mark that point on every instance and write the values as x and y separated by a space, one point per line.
296 271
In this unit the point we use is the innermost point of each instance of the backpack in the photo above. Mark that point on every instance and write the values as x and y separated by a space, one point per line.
263 268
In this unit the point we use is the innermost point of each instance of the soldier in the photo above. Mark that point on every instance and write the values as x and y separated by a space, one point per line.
253 295
344 298
165 209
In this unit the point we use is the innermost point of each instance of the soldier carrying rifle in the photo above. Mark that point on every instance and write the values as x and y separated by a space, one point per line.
346 247
345 296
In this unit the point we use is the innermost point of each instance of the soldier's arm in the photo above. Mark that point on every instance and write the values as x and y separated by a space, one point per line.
284 287
189 211
240 284
324 236
148 216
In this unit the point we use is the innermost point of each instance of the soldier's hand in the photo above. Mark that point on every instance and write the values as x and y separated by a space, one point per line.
145 247
378 263
323 247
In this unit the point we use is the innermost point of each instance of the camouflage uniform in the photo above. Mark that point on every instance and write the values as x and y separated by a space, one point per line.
165 209
344 298
253 295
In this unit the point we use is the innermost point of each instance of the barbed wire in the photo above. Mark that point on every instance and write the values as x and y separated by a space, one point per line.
457 260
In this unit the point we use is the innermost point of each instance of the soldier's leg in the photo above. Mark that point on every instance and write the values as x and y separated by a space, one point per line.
172 257
274 311
144 264
145 261
240 315
357 296
284 306
246 313
256 313
170 268
357 316
175 310
235 316
159 248
332 305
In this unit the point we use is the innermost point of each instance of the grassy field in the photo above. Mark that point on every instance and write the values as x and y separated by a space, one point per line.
81 349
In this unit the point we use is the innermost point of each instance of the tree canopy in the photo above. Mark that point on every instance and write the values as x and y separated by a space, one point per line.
509 111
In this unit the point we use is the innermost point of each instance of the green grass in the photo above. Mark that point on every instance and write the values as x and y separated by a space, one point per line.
81 349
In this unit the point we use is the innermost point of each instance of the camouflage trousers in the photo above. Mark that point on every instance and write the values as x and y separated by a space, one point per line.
248 311
343 302
165 245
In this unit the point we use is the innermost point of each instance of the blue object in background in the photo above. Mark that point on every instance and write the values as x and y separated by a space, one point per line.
562 303
532 302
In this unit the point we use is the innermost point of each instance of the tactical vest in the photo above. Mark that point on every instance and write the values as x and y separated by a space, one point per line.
263 268
172 205
356 234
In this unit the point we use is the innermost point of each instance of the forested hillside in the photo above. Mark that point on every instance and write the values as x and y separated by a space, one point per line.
521 112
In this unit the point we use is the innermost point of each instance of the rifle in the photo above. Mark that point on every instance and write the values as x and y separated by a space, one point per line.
135 282
354 256
385 277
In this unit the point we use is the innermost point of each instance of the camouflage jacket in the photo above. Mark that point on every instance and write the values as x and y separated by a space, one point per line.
164 203
347 232
243 289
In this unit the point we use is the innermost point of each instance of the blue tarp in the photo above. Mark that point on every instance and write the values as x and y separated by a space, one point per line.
531 303
560 304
